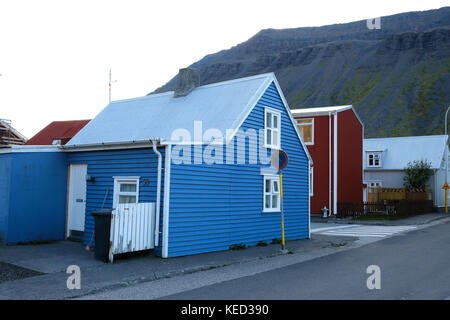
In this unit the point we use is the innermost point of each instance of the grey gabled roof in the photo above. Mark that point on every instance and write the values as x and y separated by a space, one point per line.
222 106
219 106
397 152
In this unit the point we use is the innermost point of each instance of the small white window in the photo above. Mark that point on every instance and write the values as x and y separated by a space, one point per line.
375 184
311 182
271 193
126 190
374 160
56 142
272 127
306 127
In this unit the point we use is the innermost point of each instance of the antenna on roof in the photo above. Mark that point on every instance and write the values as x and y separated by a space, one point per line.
110 85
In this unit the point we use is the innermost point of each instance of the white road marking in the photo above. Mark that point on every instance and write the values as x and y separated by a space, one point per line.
363 231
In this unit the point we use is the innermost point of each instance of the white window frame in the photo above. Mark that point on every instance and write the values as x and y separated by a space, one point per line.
124 180
312 130
272 179
273 113
311 181
374 182
380 160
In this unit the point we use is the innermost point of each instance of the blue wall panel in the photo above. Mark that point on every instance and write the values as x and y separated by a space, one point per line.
5 186
215 206
37 209
104 165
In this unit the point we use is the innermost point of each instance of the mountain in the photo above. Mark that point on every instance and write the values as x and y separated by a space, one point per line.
397 77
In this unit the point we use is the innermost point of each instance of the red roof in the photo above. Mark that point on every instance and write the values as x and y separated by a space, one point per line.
57 130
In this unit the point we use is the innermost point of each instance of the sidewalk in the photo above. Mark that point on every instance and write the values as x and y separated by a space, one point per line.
53 259
416 220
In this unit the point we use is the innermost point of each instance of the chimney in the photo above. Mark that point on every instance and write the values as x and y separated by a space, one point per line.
188 80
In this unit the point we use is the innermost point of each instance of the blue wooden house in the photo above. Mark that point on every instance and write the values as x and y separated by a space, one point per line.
191 152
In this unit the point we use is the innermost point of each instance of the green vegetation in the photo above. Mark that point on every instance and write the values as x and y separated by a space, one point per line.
276 241
417 174
239 246
262 244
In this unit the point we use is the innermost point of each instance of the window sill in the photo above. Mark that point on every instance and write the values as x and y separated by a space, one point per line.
271 211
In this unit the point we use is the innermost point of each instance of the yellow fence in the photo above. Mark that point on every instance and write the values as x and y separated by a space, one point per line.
382 194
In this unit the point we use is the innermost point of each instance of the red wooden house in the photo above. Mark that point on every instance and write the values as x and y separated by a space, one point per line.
334 137
57 132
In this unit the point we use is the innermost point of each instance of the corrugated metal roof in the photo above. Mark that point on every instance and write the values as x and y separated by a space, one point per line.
219 106
397 152
63 130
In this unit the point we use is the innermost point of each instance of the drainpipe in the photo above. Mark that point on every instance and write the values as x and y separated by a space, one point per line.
335 175
329 163
158 192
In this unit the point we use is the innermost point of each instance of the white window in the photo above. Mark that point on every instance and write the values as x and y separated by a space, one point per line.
272 127
271 193
374 160
306 127
311 182
126 190
56 142
374 184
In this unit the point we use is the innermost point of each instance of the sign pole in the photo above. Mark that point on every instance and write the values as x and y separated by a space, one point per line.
446 187
279 162
283 241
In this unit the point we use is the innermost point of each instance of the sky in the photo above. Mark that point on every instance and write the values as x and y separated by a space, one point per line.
55 56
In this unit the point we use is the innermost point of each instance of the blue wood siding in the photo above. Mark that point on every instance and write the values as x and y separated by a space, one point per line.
32 196
104 165
215 206
5 187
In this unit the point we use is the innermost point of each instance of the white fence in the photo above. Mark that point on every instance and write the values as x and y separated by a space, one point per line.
132 228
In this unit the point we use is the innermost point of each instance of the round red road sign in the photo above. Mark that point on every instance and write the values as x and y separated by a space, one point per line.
279 160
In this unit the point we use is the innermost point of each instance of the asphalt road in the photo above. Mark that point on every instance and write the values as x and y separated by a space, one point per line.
415 265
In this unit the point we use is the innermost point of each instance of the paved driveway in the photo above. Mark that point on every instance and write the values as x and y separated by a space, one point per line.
49 258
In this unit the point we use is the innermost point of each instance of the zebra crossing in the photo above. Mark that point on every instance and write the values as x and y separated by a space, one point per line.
363 230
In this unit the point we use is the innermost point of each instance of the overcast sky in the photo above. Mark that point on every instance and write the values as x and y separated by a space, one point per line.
55 56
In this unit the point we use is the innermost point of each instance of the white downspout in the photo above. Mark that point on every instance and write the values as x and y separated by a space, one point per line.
335 163
165 233
158 193
329 164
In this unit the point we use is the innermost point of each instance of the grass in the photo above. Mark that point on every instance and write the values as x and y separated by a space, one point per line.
262 244
239 246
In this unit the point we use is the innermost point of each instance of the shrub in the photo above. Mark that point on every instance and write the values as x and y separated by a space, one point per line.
417 174
262 244
276 241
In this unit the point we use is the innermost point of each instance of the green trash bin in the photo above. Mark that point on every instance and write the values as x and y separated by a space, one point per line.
102 232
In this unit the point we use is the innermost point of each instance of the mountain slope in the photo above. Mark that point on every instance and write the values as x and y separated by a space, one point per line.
398 77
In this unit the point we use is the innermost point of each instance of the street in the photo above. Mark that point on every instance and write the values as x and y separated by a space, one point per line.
413 265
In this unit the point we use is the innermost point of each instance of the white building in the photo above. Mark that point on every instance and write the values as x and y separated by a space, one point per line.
386 158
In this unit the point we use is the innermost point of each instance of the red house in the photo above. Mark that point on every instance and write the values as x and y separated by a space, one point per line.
334 137
57 133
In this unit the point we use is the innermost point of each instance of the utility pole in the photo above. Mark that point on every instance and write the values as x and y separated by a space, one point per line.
110 85
446 186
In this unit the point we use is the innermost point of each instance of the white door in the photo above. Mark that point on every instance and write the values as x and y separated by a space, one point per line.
77 198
